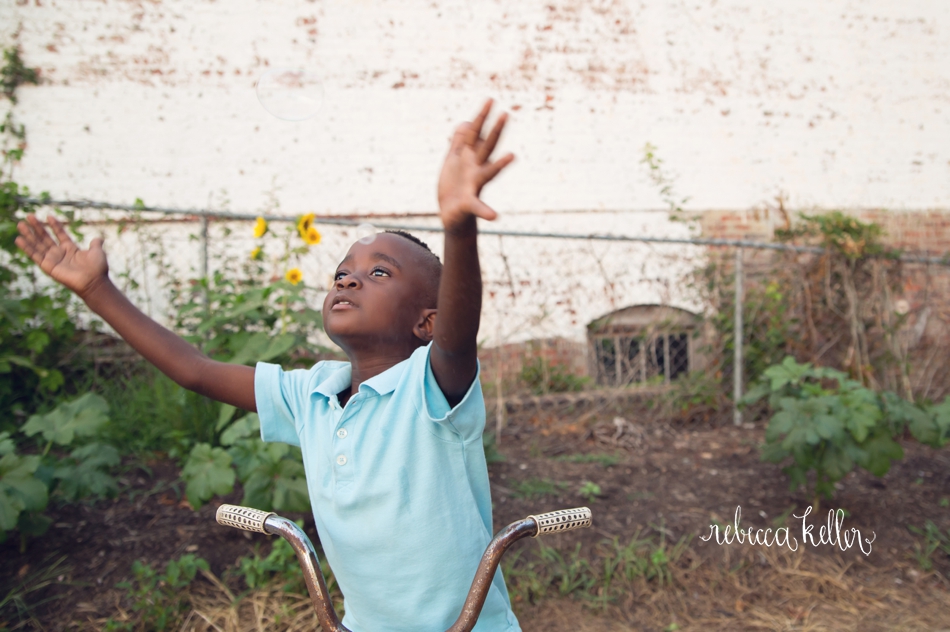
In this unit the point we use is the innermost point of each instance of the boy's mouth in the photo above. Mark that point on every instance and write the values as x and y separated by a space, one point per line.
342 303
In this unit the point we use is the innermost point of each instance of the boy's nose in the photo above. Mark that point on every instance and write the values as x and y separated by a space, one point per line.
349 281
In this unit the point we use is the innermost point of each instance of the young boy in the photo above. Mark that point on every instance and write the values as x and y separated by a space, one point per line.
391 440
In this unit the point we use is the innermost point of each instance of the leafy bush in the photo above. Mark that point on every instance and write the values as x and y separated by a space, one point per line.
824 421
22 494
36 333
544 377
272 474
28 481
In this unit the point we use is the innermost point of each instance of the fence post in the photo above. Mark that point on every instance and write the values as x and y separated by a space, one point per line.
204 260
737 346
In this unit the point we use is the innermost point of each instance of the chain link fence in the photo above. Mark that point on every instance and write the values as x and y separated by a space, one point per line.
572 315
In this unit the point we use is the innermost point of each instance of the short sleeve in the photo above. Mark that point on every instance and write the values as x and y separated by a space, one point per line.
467 418
281 396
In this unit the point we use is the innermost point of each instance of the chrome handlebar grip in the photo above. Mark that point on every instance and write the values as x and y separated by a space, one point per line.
242 517
562 520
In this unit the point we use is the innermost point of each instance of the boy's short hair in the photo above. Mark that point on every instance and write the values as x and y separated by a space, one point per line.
432 262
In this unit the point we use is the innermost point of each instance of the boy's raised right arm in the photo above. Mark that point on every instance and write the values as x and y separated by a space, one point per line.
86 272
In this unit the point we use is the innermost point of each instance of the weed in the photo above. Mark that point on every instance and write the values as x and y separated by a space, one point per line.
589 491
933 540
571 573
15 603
604 460
534 488
781 520
158 600
492 455
280 563
153 414
544 377
607 576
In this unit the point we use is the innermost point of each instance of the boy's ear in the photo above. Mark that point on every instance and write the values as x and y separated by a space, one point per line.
426 325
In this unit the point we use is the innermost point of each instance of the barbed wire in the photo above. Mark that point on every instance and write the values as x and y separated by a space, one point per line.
350 221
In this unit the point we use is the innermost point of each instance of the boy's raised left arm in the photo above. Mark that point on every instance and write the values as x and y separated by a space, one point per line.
467 168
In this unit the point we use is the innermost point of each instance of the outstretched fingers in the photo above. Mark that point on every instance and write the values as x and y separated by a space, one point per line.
489 171
488 145
60 231
31 241
480 119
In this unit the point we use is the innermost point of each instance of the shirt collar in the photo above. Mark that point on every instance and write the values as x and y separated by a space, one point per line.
341 377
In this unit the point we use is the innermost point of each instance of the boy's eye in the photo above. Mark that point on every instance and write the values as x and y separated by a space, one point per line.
338 276
379 272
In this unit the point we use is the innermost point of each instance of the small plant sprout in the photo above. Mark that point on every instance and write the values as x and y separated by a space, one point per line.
589 491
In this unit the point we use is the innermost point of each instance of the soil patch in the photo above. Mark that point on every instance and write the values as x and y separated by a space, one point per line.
651 478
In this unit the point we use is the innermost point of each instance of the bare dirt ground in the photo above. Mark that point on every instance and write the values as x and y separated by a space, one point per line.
654 478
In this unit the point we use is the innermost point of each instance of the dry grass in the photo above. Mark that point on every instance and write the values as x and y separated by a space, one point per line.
761 590
765 590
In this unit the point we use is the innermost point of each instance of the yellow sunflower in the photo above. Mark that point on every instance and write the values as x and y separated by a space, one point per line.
260 227
257 254
294 275
304 224
312 236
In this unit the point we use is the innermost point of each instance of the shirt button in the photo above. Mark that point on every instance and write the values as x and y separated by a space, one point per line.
341 433
341 460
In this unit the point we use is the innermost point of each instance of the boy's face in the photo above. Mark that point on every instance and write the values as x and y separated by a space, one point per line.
378 297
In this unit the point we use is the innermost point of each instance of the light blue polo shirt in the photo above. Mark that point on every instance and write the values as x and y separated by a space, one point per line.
399 488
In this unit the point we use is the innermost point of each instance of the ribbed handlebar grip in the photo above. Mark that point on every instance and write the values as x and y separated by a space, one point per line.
562 520
242 517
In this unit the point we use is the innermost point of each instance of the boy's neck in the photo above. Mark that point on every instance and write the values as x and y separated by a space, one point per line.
366 366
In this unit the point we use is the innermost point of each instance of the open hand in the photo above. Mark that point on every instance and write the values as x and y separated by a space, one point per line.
467 169
79 270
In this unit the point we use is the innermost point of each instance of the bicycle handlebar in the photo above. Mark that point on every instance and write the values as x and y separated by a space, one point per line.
259 521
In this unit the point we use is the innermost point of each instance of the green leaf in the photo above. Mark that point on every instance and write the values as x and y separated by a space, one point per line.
207 473
252 349
788 372
781 424
20 490
941 417
924 428
81 417
247 426
33 524
6 444
859 424
278 346
251 454
758 391
88 474
881 451
224 416
52 380
279 486
828 427
836 463
261 347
